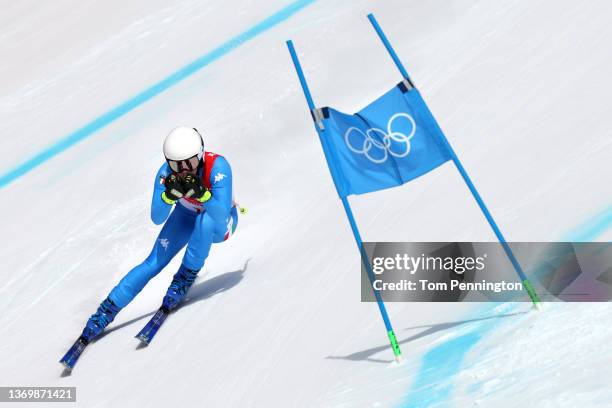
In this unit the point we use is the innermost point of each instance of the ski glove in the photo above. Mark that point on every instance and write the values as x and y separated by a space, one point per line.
174 189
194 188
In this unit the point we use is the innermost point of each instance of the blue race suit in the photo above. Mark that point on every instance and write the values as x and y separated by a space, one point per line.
197 225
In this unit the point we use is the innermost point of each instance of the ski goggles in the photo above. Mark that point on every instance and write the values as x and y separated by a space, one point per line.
189 164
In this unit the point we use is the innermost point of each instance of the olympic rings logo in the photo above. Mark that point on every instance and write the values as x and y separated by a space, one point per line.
386 147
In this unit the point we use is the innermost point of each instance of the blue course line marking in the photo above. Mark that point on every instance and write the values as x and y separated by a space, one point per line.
137 100
592 228
439 363
433 385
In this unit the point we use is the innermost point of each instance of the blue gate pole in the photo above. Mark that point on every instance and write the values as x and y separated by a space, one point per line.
517 267
349 213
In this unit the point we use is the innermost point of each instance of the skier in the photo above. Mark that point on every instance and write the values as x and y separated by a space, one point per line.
200 184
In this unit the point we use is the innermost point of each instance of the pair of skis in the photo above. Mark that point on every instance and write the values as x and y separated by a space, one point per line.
145 336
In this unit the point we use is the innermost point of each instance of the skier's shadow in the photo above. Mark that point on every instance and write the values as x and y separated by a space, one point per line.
197 293
366 355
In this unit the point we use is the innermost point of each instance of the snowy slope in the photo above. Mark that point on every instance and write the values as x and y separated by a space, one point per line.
520 87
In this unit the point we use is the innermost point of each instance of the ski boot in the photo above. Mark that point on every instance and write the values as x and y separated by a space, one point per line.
98 321
181 282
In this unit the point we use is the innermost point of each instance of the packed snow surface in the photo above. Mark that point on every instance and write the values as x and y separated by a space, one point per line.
521 88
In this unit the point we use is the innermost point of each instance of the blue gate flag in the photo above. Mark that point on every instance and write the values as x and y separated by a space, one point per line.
391 141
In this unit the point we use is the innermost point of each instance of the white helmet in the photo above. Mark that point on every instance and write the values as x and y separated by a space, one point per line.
182 143
183 148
